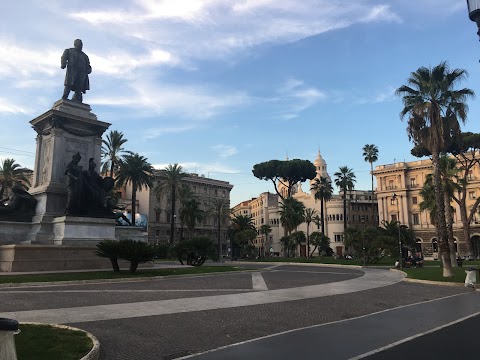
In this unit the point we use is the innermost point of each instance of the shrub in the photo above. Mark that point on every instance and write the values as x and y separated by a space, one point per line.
109 249
196 251
162 251
136 252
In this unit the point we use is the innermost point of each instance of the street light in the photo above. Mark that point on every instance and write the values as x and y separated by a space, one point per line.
395 197
474 12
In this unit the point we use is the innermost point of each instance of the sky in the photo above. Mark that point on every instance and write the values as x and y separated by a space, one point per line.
220 85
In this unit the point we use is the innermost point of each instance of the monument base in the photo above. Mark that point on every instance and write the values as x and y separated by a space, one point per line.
12 232
82 231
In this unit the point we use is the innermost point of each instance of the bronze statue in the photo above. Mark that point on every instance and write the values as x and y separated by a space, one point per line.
20 206
78 68
86 190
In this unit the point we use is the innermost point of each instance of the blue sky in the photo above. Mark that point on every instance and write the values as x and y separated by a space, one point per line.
220 85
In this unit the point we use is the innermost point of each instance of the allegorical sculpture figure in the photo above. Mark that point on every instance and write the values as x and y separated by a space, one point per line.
78 68
86 190
20 206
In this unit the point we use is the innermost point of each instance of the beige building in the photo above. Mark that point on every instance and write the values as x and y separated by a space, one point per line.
159 214
405 180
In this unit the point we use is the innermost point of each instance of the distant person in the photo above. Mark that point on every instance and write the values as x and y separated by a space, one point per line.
78 68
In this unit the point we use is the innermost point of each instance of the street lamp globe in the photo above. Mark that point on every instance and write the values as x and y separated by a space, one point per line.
474 12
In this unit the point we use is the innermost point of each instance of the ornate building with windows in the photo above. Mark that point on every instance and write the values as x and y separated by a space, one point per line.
398 192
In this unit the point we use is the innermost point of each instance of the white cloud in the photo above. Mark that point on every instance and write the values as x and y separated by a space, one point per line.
153 133
295 96
206 169
225 151
7 106
385 95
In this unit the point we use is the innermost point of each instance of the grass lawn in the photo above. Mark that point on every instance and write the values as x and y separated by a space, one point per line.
95 275
435 274
44 342
328 260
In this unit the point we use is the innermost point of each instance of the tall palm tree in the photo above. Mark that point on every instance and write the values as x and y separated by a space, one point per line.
291 213
309 217
170 181
345 180
190 214
11 173
323 190
219 210
184 195
135 169
238 224
435 109
112 151
265 229
370 154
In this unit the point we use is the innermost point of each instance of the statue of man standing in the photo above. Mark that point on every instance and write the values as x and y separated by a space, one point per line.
78 68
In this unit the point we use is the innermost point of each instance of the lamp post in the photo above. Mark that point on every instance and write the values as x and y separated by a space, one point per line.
399 235
474 12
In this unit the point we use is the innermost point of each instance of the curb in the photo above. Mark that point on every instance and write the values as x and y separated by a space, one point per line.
302 264
430 282
93 354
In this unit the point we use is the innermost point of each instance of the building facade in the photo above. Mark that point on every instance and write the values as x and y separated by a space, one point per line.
158 209
264 210
398 191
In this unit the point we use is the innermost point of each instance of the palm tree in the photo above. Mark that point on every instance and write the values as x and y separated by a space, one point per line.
345 180
291 214
184 195
170 182
190 214
219 210
370 154
135 169
323 190
238 224
112 151
435 109
11 173
309 217
265 229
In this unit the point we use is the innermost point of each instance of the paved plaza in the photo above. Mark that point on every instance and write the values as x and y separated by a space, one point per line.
268 311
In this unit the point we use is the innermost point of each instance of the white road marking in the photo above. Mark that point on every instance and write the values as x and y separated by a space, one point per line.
114 291
258 282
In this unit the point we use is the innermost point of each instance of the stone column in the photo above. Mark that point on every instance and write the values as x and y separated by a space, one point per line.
69 127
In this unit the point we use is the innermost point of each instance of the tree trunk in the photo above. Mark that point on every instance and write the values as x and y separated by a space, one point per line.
172 218
466 227
134 202
112 166
344 210
133 266
373 207
307 250
115 266
441 224
322 215
218 239
449 222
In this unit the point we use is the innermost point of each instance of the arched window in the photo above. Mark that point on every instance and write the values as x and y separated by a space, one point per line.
418 245
338 217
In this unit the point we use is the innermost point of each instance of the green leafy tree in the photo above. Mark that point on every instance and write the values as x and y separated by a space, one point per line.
185 194
288 244
435 109
370 154
109 249
291 213
11 173
265 229
190 214
244 241
196 251
137 252
239 223
309 217
288 173
112 151
345 180
320 241
219 210
323 191
135 169
171 181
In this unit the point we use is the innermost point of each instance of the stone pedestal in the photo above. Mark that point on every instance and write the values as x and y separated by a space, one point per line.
12 232
82 231
69 127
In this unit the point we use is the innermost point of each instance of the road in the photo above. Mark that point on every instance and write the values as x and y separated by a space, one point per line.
274 311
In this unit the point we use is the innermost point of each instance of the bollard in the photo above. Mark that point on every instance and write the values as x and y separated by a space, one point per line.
471 278
8 328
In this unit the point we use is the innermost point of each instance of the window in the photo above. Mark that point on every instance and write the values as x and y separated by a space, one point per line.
470 175
434 245
205 189
418 245
338 237
414 200
471 195
416 219
394 217
390 184
216 192
157 217
393 201
413 182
